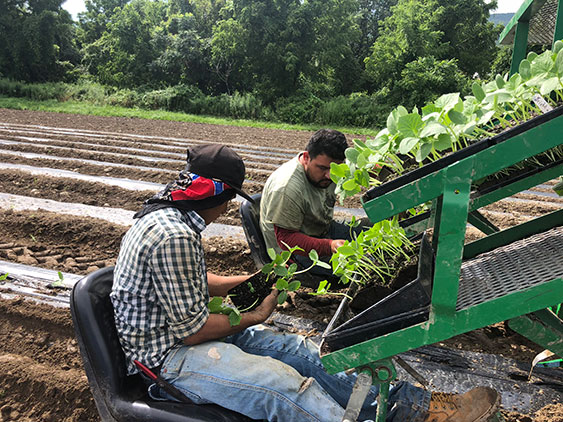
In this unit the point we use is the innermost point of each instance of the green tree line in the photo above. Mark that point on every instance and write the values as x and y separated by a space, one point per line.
301 61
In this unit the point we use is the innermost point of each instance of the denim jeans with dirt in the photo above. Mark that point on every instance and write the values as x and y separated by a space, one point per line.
276 377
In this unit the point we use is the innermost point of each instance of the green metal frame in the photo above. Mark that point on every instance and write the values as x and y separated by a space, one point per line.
454 204
518 29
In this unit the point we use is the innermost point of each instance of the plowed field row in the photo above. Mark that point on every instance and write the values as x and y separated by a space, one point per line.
42 379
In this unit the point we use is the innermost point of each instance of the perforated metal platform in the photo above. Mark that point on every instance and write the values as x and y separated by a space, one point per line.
511 268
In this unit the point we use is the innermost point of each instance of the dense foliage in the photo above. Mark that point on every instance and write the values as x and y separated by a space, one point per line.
346 62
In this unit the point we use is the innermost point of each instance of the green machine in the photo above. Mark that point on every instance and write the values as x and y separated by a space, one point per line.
513 275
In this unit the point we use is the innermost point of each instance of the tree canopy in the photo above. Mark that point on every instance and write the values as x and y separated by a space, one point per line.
315 50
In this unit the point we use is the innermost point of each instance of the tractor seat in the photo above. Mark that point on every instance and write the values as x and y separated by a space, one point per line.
119 397
250 215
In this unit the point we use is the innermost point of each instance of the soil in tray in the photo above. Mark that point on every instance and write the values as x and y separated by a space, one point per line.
373 293
250 293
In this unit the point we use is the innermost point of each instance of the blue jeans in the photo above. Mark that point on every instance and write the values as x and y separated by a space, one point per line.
276 377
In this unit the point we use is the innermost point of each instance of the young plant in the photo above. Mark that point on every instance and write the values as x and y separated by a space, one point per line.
217 306
3 277
285 273
372 254
59 283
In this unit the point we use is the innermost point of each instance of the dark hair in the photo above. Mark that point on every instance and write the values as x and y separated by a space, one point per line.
329 142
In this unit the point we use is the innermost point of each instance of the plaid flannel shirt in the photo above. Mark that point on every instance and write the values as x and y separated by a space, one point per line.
160 290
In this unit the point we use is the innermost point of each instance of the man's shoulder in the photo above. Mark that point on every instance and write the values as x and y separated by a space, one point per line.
167 223
289 176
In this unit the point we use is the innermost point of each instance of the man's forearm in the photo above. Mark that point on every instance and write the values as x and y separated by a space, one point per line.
220 285
307 243
217 326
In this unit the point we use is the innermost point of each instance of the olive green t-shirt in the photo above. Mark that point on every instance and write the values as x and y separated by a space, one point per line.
289 201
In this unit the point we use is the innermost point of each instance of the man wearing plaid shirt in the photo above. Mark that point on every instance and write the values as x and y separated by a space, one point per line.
160 294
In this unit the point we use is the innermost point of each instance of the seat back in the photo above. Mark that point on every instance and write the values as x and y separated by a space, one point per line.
119 397
250 215
104 360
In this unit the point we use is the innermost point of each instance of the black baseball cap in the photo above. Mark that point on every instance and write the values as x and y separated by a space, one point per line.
218 162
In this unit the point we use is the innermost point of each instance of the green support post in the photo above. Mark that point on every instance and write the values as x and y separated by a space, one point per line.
558 33
520 45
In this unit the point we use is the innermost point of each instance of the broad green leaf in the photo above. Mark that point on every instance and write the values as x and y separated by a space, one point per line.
410 124
280 270
215 305
359 143
352 154
558 46
423 151
294 285
501 96
361 161
525 69
292 268
457 117
338 170
531 56
447 101
429 109
346 250
443 142
432 129
282 297
542 64
478 91
313 255
323 264
401 111
550 85
281 284
234 318
559 63
392 123
272 253
408 144
349 185
468 128
500 82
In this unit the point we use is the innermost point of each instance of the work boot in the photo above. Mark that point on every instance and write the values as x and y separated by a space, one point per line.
477 405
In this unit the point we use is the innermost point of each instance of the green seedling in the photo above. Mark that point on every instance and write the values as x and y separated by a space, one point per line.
285 273
218 306
324 289
33 238
59 282
373 254
3 277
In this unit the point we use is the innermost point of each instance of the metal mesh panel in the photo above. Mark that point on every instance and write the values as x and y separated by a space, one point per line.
542 24
517 266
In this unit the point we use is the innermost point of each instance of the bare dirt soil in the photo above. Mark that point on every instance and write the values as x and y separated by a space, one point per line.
42 377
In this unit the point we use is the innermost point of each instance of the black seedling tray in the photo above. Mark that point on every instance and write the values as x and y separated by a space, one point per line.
405 307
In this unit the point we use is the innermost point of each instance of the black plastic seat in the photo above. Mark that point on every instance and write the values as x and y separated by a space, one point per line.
250 215
120 397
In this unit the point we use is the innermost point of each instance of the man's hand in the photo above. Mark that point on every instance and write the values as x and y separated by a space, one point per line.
265 309
335 244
